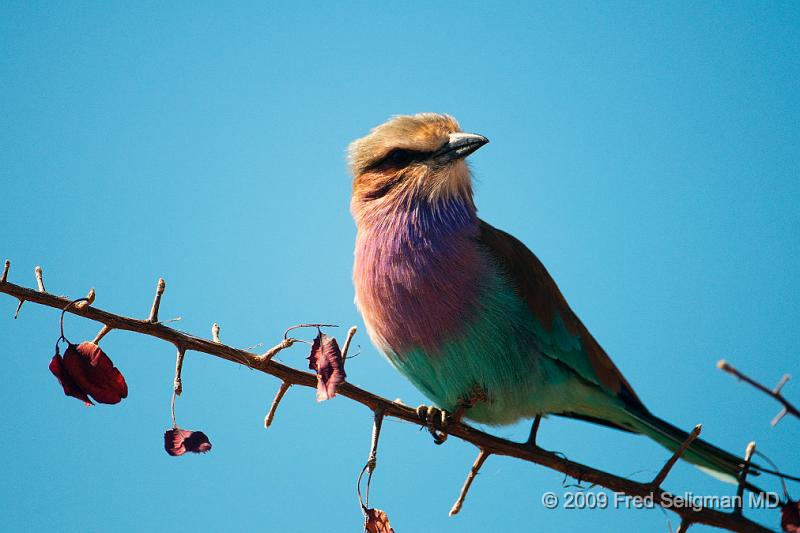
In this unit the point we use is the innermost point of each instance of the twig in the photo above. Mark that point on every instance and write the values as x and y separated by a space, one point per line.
100 334
662 474
684 526
492 444
275 402
157 300
482 456
776 393
748 455
372 460
177 386
272 352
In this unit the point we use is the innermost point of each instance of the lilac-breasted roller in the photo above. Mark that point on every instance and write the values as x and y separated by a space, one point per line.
466 311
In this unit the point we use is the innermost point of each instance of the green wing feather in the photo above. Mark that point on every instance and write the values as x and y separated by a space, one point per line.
562 336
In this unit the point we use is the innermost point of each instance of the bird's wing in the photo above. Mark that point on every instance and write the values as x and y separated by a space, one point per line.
564 336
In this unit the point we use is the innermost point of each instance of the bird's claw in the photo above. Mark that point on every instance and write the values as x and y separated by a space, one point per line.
434 419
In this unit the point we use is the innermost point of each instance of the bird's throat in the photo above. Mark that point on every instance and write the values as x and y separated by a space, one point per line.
418 272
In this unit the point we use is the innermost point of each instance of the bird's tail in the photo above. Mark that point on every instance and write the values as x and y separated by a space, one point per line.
709 458
634 418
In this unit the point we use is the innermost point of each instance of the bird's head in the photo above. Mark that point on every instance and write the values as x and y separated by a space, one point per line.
412 158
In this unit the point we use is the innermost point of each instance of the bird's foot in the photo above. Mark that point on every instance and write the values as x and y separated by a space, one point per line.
477 395
534 430
435 420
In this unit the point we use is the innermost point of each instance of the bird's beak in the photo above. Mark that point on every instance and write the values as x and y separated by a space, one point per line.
459 146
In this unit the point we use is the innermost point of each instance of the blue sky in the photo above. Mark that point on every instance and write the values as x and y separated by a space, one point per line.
649 155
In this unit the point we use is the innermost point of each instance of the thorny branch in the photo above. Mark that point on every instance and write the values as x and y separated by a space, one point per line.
788 407
486 443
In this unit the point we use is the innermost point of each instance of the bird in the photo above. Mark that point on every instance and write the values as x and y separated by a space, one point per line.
466 311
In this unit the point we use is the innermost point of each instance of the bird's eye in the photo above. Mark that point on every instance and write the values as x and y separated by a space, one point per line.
400 158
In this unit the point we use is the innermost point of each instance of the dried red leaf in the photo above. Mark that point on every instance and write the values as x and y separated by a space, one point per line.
94 373
377 522
70 387
790 517
85 370
326 360
178 441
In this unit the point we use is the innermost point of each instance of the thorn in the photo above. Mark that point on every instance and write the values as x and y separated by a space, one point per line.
662 474
215 333
39 278
779 417
272 352
4 277
100 334
83 304
275 402
157 301
482 456
748 455
781 383
350 333
16 313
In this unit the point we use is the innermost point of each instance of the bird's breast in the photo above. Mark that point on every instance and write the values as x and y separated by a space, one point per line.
451 323
417 291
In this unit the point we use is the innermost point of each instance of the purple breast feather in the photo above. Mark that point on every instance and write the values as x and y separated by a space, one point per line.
418 273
